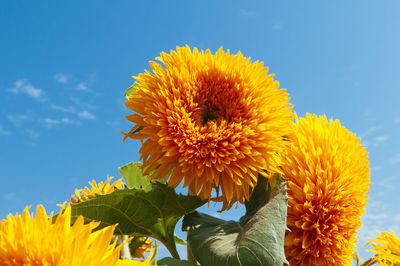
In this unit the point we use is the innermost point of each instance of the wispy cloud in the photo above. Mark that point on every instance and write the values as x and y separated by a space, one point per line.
83 86
368 132
25 87
395 159
380 139
113 123
86 115
245 13
65 109
50 122
61 78
4 132
276 26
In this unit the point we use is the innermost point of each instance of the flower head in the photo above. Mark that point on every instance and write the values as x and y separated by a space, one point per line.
144 244
386 249
90 193
101 188
328 178
28 240
213 120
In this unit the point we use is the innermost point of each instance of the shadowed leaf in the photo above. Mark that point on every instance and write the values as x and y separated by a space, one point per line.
256 240
174 262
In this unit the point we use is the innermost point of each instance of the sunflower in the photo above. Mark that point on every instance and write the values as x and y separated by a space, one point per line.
25 240
101 188
328 178
144 244
386 249
210 120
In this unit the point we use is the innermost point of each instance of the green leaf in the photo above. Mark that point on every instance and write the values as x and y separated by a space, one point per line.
137 212
179 241
174 262
132 174
256 240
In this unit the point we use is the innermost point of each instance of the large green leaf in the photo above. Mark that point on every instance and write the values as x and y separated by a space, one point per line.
137 212
256 240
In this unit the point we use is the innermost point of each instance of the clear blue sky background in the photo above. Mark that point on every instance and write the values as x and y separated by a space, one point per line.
64 66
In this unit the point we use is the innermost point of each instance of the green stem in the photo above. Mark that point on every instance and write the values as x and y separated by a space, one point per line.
190 253
173 252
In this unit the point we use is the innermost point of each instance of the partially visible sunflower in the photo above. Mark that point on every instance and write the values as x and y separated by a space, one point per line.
101 188
105 188
213 120
386 248
28 240
140 245
328 177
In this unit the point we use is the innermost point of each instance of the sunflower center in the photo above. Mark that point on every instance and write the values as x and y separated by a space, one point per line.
209 113
218 100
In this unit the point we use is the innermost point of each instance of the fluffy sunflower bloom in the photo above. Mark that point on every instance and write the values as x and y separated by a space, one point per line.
328 178
386 249
211 120
28 240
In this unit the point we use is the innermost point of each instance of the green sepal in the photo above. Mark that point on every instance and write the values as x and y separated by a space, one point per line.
131 89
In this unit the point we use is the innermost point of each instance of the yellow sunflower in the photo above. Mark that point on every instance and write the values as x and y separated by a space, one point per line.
328 178
386 249
101 188
213 120
104 188
28 240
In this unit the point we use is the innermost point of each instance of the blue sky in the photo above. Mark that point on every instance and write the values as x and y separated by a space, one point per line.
65 66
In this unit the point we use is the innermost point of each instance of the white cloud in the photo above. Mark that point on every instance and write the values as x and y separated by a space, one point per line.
380 139
395 159
66 120
276 26
61 78
245 13
86 115
49 122
4 132
25 87
113 123
83 86
65 109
